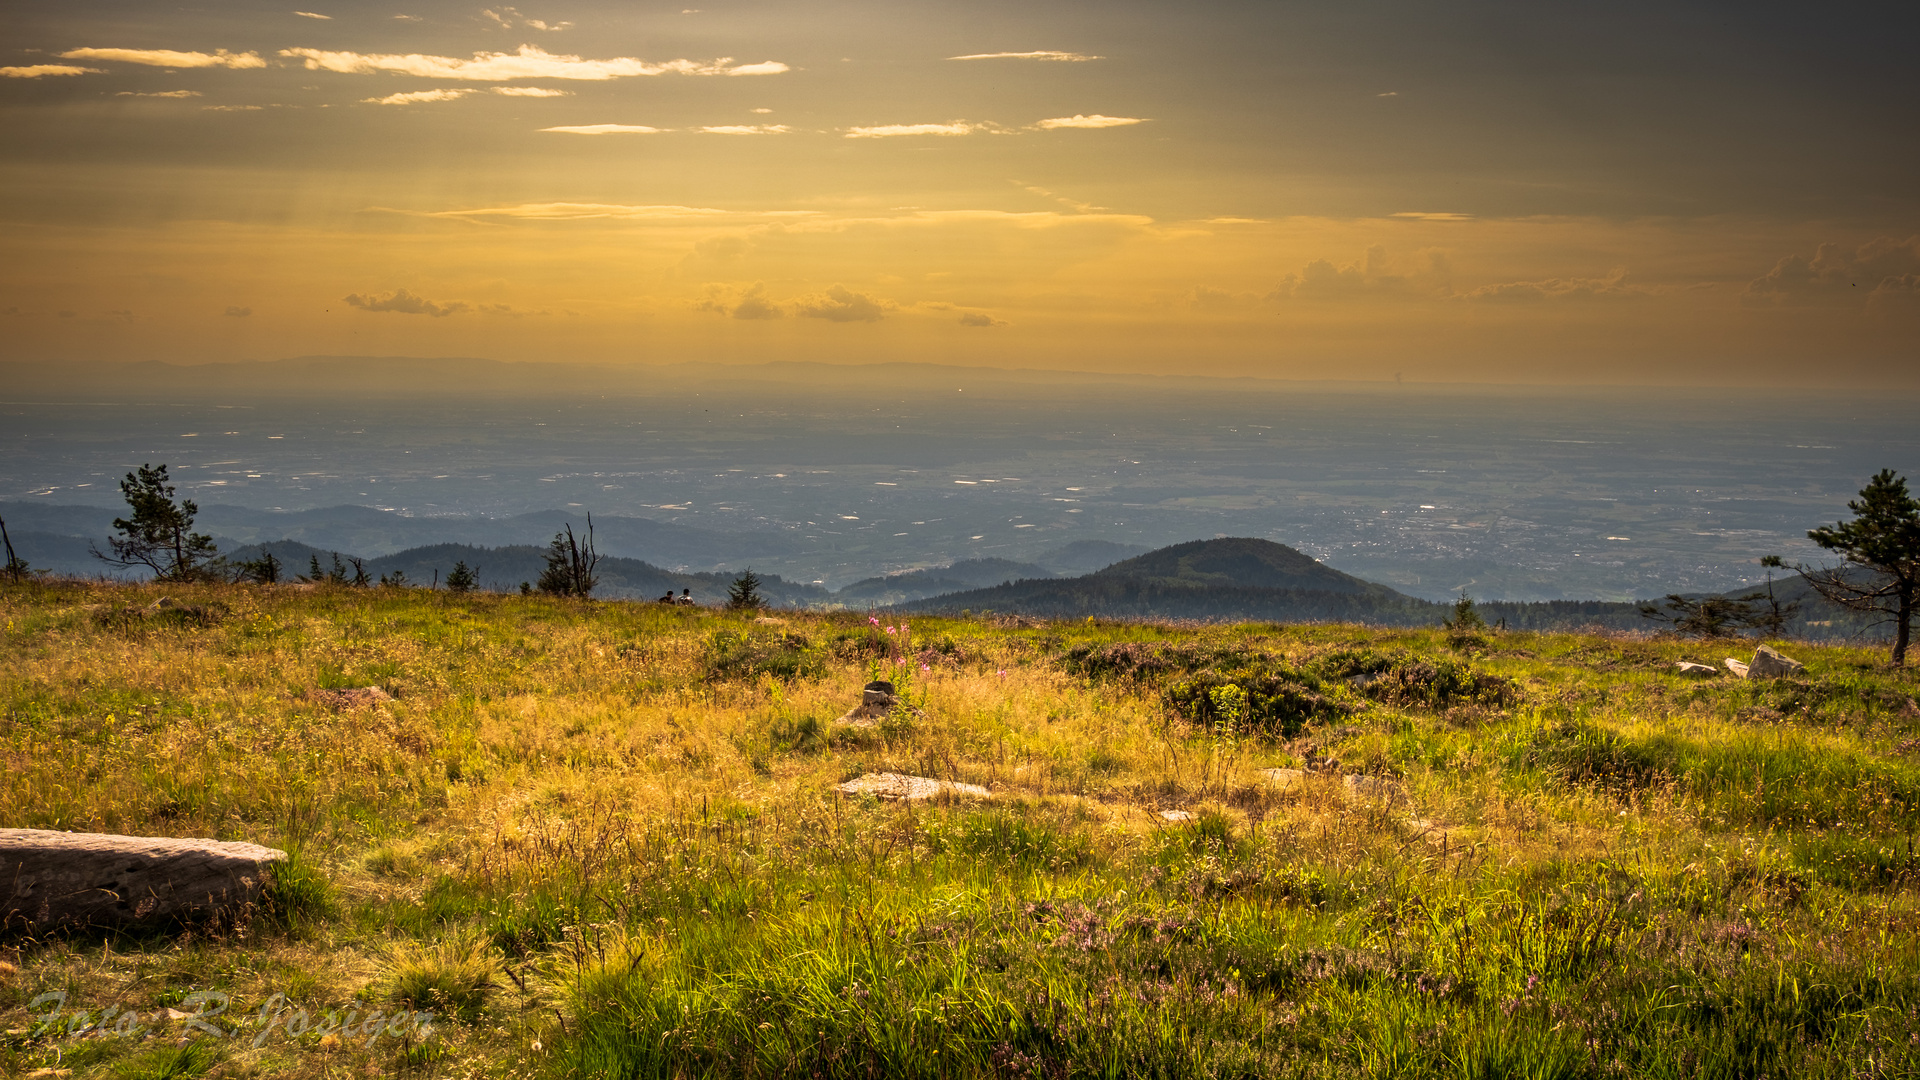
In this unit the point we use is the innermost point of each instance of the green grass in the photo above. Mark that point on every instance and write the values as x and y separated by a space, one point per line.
600 840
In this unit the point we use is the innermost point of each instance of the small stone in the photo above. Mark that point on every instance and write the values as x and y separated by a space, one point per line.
1176 815
1688 667
1739 669
1768 664
901 787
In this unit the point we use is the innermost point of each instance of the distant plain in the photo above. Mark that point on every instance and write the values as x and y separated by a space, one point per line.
831 473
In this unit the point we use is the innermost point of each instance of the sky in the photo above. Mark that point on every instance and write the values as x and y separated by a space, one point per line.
1713 194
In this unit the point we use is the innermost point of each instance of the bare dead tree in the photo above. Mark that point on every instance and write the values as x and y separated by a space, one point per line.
571 564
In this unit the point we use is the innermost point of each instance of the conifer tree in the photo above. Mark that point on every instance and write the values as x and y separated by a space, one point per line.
158 534
1881 546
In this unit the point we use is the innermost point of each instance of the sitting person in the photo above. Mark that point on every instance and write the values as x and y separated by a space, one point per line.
686 597
667 599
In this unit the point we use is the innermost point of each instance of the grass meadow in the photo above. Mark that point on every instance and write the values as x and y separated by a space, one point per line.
601 840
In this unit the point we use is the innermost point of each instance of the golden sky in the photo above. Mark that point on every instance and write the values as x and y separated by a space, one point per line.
1462 192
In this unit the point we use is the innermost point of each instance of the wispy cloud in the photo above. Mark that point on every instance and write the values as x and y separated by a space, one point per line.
239 312
530 91
313 15
528 62
841 304
747 129
160 93
169 58
1611 287
1041 54
569 211
1094 121
980 318
505 18
888 131
419 97
232 108
1423 215
37 71
402 302
605 129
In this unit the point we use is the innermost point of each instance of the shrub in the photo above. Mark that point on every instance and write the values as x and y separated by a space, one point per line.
450 978
736 654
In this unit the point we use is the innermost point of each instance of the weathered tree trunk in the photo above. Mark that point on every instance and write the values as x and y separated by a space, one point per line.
64 880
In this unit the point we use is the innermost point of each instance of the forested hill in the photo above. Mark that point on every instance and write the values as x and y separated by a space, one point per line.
502 569
1249 579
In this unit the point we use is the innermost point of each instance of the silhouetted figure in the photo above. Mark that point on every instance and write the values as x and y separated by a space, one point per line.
667 599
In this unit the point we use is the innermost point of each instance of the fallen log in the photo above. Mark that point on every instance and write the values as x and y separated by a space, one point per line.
65 880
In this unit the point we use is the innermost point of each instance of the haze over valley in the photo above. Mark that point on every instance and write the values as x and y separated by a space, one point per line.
828 475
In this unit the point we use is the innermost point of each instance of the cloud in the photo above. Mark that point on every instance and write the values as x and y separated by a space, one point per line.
232 108
419 97
530 91
751 304
1209 298
1043 54
402 302
763 112
38 71
1094 121
841 304
1882 273
747 129
1390 93
980 318
1423 215
1611 287
161 94
605 129
168 58
529 62
1322 280
308 15
507 23
240 312
615 211
765 67
888 131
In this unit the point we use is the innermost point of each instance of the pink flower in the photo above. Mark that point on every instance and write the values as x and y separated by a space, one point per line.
1003 673
874 619
926 667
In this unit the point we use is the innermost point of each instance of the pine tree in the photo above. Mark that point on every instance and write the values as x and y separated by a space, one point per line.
1881 546
744 593
158 534
462 580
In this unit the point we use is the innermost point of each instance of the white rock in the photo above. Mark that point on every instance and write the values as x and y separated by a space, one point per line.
1739 669
1176 815
899 786
1688 667
1768 664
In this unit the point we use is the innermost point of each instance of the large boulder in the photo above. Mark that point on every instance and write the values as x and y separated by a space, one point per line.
64 880
1768 664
